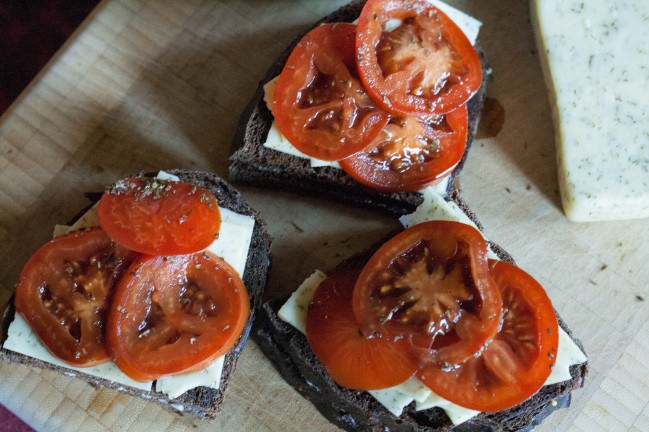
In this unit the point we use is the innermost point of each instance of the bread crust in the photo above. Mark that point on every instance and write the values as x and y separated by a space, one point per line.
201 401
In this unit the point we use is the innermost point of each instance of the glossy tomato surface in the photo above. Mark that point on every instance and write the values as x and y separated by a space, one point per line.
411 152
64 293
413 59
175 314
159 217
353 360
519 360
320 104
431 284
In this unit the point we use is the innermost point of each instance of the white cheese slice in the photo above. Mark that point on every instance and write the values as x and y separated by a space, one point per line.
469 25
437 206
21 339
276 141
396 398
596 64
174 386
269 93
456 413
393 399
232 245
235 234
568 354
234 239
60 230
315 163
164 175
415 388
295 309
88 219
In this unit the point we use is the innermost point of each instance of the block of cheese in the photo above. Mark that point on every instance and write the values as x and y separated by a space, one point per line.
595 56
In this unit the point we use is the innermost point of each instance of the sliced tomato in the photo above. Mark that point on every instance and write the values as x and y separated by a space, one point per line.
424 66
320 104
177 314
431 284
411 152
519 360
64 294
352 360
159 217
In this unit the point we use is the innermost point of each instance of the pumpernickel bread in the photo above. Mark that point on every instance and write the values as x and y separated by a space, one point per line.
253 164
201 401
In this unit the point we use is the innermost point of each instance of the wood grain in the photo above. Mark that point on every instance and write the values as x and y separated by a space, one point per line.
147 85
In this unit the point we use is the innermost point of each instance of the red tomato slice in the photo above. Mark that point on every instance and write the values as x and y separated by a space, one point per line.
431 284
320 105
352 360
64 293
519 360
177 314
158 217
411 153
424 66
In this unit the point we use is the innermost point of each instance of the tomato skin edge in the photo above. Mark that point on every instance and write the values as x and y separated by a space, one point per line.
352 360
370 77
179 217
419 176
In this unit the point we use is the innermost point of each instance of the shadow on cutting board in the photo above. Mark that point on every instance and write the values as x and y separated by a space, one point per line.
517 116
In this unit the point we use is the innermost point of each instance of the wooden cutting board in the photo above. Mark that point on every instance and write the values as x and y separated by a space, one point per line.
147 85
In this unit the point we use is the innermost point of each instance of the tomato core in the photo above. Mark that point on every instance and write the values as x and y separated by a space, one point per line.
431 284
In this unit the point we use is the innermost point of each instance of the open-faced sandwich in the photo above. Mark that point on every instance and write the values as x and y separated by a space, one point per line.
329 125
435 329
151 291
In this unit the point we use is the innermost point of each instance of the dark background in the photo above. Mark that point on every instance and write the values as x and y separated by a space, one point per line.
31 31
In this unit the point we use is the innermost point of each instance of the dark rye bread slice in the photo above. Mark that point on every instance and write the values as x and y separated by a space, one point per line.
252 163
201 401
355 410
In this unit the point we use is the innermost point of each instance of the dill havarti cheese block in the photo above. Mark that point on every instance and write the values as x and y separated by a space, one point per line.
595 58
